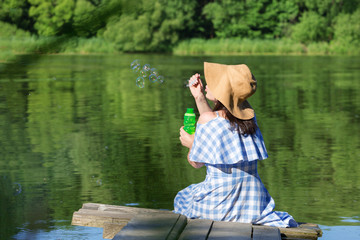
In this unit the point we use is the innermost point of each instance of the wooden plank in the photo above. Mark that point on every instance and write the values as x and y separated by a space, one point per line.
266 233
111 229
298 232
178 228
311 226
96 219
121 209
196 229
230 230
148 226
95 215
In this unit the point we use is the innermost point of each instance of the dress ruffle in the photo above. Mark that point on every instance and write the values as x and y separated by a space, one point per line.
216 142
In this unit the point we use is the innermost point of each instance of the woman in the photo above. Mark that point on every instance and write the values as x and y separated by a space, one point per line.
229 143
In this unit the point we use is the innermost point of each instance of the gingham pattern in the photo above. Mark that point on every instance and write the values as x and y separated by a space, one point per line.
230 192
216 142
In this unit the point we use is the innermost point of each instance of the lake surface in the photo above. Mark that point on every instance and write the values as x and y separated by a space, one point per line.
77 129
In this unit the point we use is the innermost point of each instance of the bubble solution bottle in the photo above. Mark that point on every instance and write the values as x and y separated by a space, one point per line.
189 121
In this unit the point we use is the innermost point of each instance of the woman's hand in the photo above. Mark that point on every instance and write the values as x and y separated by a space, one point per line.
185 138
187 141
196 86
196 89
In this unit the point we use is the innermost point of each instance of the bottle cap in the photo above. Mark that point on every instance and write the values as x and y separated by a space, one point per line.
190 110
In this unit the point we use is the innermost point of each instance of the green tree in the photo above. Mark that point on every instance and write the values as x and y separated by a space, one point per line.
328 8
51 15
91 16
251 19
10 30
154 25
82 13
76 18
16 12
312 28
347 28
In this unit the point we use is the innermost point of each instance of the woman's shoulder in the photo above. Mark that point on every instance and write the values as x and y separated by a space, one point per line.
206 117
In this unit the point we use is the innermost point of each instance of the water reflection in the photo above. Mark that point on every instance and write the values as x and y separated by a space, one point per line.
17 189
58 230
76 129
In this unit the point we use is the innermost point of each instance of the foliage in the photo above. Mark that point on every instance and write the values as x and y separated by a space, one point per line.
250 19
347 28
154 25
16 12
159 25
11 31
122 33
51 16
83 12
88 45
236 46
91 17
328 8
312 28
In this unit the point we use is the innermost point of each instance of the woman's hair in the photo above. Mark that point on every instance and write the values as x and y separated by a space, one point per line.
243 126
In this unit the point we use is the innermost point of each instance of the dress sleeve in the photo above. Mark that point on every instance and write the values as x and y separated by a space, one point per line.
201 150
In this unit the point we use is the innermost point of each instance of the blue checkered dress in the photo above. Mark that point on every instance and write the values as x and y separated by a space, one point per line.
232 190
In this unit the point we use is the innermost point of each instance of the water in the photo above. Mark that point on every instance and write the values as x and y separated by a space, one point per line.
77 129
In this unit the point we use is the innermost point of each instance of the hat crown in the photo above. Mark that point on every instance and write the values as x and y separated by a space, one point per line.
242 81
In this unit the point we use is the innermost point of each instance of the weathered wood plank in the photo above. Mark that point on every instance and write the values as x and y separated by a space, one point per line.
299 233
178 228
230 230
148 226
95 215
96 219
311 226
121 209
266 233
196 229
111 229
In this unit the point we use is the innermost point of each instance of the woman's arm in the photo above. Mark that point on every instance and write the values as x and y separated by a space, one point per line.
194 164
196 90
187 141
202 104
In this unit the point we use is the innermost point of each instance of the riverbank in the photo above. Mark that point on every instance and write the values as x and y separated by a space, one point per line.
11 46
262 47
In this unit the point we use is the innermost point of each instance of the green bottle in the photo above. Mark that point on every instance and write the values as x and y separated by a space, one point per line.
189 121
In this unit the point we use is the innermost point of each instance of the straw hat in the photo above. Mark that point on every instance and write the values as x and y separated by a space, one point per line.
231 85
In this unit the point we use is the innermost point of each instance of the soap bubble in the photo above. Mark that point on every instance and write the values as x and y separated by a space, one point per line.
153 78
140 82
136 68
98 182
146 67
17 189
135 63
154 71
160 79
144 73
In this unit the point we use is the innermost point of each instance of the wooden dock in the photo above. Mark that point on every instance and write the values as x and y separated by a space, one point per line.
130 223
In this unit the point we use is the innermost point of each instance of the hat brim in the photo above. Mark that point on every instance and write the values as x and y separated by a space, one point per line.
244 111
